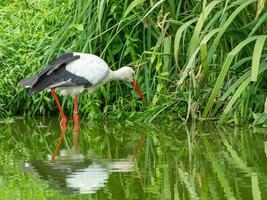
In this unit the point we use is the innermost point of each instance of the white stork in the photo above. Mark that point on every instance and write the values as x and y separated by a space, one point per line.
73 73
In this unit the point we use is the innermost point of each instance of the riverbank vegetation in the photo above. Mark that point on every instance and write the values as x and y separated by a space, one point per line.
194 59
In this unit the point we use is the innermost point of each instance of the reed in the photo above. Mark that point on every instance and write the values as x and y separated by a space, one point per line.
195 60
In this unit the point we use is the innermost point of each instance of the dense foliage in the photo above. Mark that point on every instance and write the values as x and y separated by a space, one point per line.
195 59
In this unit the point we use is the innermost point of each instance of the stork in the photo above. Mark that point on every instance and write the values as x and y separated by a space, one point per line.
73 73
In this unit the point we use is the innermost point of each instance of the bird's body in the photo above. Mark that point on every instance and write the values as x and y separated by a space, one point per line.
82 68
73 73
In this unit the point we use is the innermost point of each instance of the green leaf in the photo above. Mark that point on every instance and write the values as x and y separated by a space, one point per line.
203 49
256 57
260 7
260 21
224 70
151 9
190 65
178 36
134 4
256 193
260 118
238 92
240 89
224 27
201 20
167 52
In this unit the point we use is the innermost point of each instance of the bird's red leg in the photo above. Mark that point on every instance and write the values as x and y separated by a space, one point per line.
63 123
76 122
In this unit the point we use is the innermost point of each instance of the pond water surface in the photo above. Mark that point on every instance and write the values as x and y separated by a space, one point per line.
132 161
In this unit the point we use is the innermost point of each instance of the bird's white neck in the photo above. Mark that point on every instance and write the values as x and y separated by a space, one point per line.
124 73
118 75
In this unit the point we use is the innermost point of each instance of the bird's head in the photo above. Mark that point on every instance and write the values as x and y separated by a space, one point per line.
127 74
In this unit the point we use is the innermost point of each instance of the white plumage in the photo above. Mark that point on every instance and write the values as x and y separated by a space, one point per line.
90 67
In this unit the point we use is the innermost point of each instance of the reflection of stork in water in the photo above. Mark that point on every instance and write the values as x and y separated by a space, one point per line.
82 176
72 172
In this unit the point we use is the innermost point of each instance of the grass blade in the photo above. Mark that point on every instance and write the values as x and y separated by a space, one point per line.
203 50
260 7
224 70
151 9
256 193
260 21
178 37
256 57
134 4
201 20
241 88
167 52
190 65
225 26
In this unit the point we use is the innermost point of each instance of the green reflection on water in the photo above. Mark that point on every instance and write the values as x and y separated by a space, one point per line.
132 161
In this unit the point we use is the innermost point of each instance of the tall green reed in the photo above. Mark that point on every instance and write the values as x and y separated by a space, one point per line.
191 57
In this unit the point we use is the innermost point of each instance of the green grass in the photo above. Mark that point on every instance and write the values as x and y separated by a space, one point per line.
190 56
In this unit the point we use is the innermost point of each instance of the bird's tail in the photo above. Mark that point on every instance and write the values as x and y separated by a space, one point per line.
27 82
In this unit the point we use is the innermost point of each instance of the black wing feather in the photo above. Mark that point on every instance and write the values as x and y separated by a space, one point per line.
60 77
27 81
55 64
55 74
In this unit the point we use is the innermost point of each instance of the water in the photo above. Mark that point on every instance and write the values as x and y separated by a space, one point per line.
132 161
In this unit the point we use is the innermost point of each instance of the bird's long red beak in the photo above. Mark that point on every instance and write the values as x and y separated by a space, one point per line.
138 90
